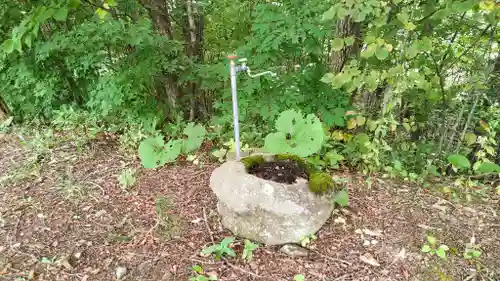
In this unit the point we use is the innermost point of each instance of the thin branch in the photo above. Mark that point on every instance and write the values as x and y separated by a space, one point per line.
429 15
471 46
208 226
453 38
109 10
454 130
330 258
469 118
241 269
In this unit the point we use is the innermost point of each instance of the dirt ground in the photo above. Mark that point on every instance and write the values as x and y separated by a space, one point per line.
64 216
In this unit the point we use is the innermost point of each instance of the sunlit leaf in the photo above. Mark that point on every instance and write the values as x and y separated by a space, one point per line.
329 15
369 51
337 44
61 14
351 123
382 53
426 248
150 152
8 46
470 138
73 4
488 167
295 134
410 26
327 78
342 198
359 16
412 51
342 13
101 13
403 17
349 41
299 277
195 136
459 161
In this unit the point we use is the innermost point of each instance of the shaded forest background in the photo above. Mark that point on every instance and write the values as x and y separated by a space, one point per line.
408 87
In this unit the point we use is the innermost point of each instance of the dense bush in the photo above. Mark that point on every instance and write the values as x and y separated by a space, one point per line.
400 85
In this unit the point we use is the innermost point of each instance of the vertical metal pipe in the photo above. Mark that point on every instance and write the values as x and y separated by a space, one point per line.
232 70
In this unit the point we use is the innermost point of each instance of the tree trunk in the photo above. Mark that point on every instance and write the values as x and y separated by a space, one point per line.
193 36
159 12
495 79
345 28
4 110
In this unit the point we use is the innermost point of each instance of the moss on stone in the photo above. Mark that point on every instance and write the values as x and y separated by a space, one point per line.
299 160
321 182
252 161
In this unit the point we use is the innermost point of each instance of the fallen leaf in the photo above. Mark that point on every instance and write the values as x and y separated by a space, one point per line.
64 262
198 220
400 256
372 232
369 259
211 273
340 220
120 272
426 227
439 207
31 275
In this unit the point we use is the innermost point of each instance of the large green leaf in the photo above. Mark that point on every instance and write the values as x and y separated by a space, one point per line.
488 168
151 151
295 134
171 152
195 136
154 153
459 161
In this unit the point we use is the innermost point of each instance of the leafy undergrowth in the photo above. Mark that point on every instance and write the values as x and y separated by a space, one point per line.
77 216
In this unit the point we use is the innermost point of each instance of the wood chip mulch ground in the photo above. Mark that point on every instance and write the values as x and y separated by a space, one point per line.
65 217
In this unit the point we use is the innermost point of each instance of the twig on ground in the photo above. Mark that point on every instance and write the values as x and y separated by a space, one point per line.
148 233
204 262
207 225
330 258
16 227
241 269
342 277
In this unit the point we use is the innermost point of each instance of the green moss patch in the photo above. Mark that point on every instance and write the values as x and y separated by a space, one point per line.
321 182
286 168
251 162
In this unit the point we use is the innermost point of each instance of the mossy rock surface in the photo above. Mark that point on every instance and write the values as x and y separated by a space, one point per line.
285 168
321 182
253 161
300 161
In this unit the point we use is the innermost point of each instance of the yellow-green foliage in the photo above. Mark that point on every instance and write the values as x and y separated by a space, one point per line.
252 161
320 183
299 160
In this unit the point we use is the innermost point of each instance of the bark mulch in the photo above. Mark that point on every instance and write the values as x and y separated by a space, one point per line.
68 218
